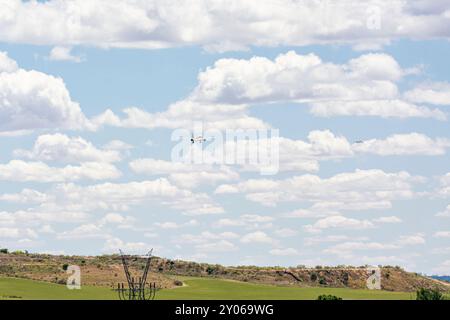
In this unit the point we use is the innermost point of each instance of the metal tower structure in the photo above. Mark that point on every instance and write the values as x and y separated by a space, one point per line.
138 288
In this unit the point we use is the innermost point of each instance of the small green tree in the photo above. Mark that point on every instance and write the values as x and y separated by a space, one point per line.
210 270
326 297
65 266
4 250
429 294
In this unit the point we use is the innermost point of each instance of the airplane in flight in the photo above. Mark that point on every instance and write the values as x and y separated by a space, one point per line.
198 139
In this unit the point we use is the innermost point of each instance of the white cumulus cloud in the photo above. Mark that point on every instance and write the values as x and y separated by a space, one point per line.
64 54
18 170
62 148
220 25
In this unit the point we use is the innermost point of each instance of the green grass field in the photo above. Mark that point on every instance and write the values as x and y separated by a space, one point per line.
195 289
223 289
12 288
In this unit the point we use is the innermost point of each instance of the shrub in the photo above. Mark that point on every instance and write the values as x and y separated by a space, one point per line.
65 266
325 297
4 250
178 283
345 278
210 270
429 294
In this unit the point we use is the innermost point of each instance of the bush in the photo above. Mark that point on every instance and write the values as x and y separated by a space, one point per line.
4 250
178 283
65 266
326 297
429 294
345 278
210 270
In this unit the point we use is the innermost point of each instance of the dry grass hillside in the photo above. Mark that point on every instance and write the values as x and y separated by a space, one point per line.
96 271
107 271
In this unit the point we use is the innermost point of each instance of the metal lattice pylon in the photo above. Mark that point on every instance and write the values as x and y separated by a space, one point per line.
140 289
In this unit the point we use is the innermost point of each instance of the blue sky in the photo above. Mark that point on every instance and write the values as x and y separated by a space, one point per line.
75 183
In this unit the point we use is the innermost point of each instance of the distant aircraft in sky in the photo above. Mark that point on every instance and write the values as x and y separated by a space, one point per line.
198 139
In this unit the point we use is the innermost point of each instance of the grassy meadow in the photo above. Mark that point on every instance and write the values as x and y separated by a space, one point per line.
194 289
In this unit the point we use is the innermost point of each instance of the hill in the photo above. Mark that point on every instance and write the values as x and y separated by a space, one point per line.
106 271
